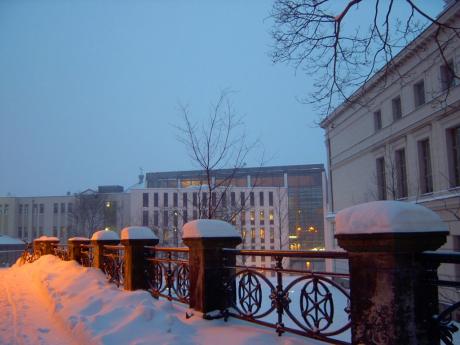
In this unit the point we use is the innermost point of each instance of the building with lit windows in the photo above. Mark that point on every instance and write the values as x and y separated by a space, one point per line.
404 144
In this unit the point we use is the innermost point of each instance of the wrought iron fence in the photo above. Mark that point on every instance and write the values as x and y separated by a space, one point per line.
61 251
10 256
86 255
113 263
168 273
29 255
447 321
312 304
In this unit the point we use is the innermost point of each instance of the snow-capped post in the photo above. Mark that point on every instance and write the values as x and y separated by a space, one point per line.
205 239
45 245
392 299
74 247
135 238
100 239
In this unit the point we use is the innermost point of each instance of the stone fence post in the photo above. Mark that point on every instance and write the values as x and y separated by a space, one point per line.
45 245
100 239
135 239
74 247
392 301
205 239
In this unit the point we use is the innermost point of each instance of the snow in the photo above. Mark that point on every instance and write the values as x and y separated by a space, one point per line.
47 238
209 228
78 239
60 302
105 235
9 240
138 233
388 217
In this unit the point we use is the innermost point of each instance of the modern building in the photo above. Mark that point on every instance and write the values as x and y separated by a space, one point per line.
399 138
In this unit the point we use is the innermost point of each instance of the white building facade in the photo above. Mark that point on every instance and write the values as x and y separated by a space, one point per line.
400 138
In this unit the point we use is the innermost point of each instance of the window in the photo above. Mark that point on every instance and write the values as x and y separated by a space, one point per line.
377 120
251 198
397 109
252 217
232 199
195 214
184 199
243 218
381 179
242 199
165 218
401 176
19 231
419 93
195 199
26 232
262 234
62 207
155 218
184 216
270 198
35 209
272 235
155 199
213 198
261 198
447 75
224 200
20 210
175 200
424 158
253 235
145 199
204 199
26 209
165 199
271 217
55 232
262 217
145 218
70 207
453 140
41 208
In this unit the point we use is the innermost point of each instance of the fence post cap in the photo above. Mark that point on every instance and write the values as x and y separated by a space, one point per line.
77 239
47 239
138 233
105 235
209 228
388 217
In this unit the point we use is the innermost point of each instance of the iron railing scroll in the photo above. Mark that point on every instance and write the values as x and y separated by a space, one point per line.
86 255
168 273
113 264
312 304
61 251
28 255
447 321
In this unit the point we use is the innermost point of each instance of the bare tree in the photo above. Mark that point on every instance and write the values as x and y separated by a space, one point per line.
322 37
219 142
88 213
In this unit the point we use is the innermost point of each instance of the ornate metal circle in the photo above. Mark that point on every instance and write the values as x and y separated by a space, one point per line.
249 293
182 281
316 305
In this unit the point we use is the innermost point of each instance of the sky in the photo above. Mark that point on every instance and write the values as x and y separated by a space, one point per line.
90 90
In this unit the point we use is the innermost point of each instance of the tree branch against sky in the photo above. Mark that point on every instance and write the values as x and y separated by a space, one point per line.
343 43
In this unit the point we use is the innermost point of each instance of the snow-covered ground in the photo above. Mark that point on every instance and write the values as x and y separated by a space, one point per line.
59 302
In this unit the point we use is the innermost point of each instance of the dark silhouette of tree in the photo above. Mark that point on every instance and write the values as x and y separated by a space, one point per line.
322 37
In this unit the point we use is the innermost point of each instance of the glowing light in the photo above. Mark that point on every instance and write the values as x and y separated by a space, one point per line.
108 204
292 237
312 229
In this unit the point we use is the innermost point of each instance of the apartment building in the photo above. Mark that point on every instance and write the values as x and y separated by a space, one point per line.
400 137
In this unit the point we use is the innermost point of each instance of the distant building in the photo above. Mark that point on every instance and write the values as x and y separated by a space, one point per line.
403 141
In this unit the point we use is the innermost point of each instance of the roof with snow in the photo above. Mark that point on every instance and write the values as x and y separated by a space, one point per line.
4 239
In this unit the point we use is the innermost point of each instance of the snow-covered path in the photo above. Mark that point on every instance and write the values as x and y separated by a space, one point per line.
51 302
25 316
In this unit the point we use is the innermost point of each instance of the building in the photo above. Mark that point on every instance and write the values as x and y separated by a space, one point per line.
279 207
404 142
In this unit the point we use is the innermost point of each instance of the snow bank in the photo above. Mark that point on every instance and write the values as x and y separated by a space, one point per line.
96 312
105 235
388 217
9 240
138 233
209 228
47 238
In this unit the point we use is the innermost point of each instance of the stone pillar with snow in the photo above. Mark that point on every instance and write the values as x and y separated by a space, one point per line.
74 247
392 299
100 239
45 245
134 239
206 238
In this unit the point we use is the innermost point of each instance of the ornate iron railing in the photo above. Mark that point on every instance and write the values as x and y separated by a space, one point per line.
28 255
312 304
61 251
113 263
447 321
86 255
168 273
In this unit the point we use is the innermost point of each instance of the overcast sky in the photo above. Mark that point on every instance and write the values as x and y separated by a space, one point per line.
89 90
